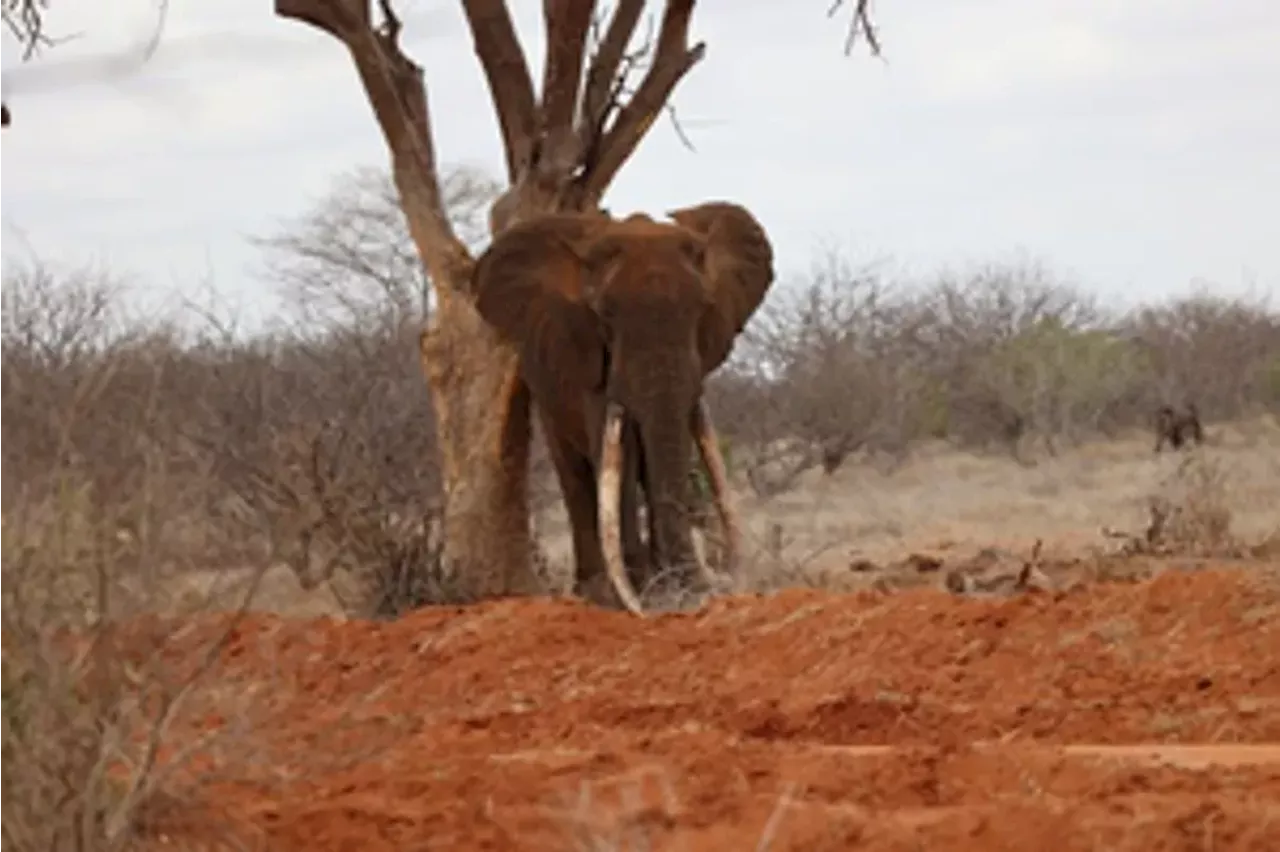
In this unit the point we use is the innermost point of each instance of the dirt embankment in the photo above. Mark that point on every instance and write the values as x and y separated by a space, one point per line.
802 720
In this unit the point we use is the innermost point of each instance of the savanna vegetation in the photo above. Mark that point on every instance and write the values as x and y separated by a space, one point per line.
140 448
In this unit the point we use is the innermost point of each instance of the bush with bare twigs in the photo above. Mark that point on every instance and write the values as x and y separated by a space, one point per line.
851 362
88 702
322 445
1189 514
141 455
309 448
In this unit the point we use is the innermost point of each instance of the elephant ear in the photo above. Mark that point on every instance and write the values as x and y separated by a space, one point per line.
529 286
738 261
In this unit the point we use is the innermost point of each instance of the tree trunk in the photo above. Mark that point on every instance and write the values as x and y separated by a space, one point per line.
556 159
483 421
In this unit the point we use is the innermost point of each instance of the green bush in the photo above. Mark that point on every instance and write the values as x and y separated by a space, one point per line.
1061 380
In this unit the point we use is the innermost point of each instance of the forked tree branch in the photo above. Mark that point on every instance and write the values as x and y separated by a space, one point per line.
395 88
24 19
567 23
605 66
672 60
510 84
859 25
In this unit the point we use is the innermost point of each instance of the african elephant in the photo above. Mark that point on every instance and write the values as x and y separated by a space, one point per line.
617 322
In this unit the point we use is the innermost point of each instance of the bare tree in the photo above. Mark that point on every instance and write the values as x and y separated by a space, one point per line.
563 148
1220 351
1006 342
845 380
351 255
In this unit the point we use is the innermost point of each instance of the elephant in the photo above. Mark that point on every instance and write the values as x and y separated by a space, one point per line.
616 324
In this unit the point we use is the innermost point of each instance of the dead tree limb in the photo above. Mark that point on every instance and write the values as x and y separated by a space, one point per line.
396 91
673 59
505 70
604 70
567 22
860 24
24 19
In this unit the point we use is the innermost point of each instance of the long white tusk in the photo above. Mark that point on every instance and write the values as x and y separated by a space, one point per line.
610 508
704 433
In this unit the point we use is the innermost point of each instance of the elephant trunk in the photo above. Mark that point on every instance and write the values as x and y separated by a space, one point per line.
667 443
666 433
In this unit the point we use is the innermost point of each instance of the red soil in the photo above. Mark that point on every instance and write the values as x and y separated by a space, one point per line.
547 725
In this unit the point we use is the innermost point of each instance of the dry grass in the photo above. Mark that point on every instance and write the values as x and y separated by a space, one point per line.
945 501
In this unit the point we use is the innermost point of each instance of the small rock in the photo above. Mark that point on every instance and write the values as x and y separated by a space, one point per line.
958 582
923 563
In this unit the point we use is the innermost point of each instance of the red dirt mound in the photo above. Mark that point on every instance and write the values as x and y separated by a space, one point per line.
800 720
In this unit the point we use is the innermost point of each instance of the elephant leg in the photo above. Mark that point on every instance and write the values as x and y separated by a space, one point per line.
578 488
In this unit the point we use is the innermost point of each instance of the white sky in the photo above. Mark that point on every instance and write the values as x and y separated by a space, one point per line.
1133 146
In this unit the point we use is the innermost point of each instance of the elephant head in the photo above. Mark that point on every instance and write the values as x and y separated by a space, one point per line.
624 318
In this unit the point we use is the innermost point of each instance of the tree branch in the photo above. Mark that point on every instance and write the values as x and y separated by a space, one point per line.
672 60
397 93
24 19
604 78
859 24
341 19
494 38
567 22
605 65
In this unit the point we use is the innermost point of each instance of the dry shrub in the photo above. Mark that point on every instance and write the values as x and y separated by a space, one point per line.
94 512
137 453
1190 514
324 445
314 448
88 700
848 362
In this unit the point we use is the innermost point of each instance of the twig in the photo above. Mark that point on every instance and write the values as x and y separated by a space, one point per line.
859 24
775 818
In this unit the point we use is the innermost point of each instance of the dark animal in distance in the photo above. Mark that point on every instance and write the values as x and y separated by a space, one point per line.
1178 428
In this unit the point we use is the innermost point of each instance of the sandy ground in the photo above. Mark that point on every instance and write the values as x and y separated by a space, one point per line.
1137 713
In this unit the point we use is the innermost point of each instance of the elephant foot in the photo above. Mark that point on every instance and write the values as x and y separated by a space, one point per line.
598 591
677 586
640 569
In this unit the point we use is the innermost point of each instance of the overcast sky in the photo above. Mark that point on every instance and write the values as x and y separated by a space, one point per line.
1131 145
